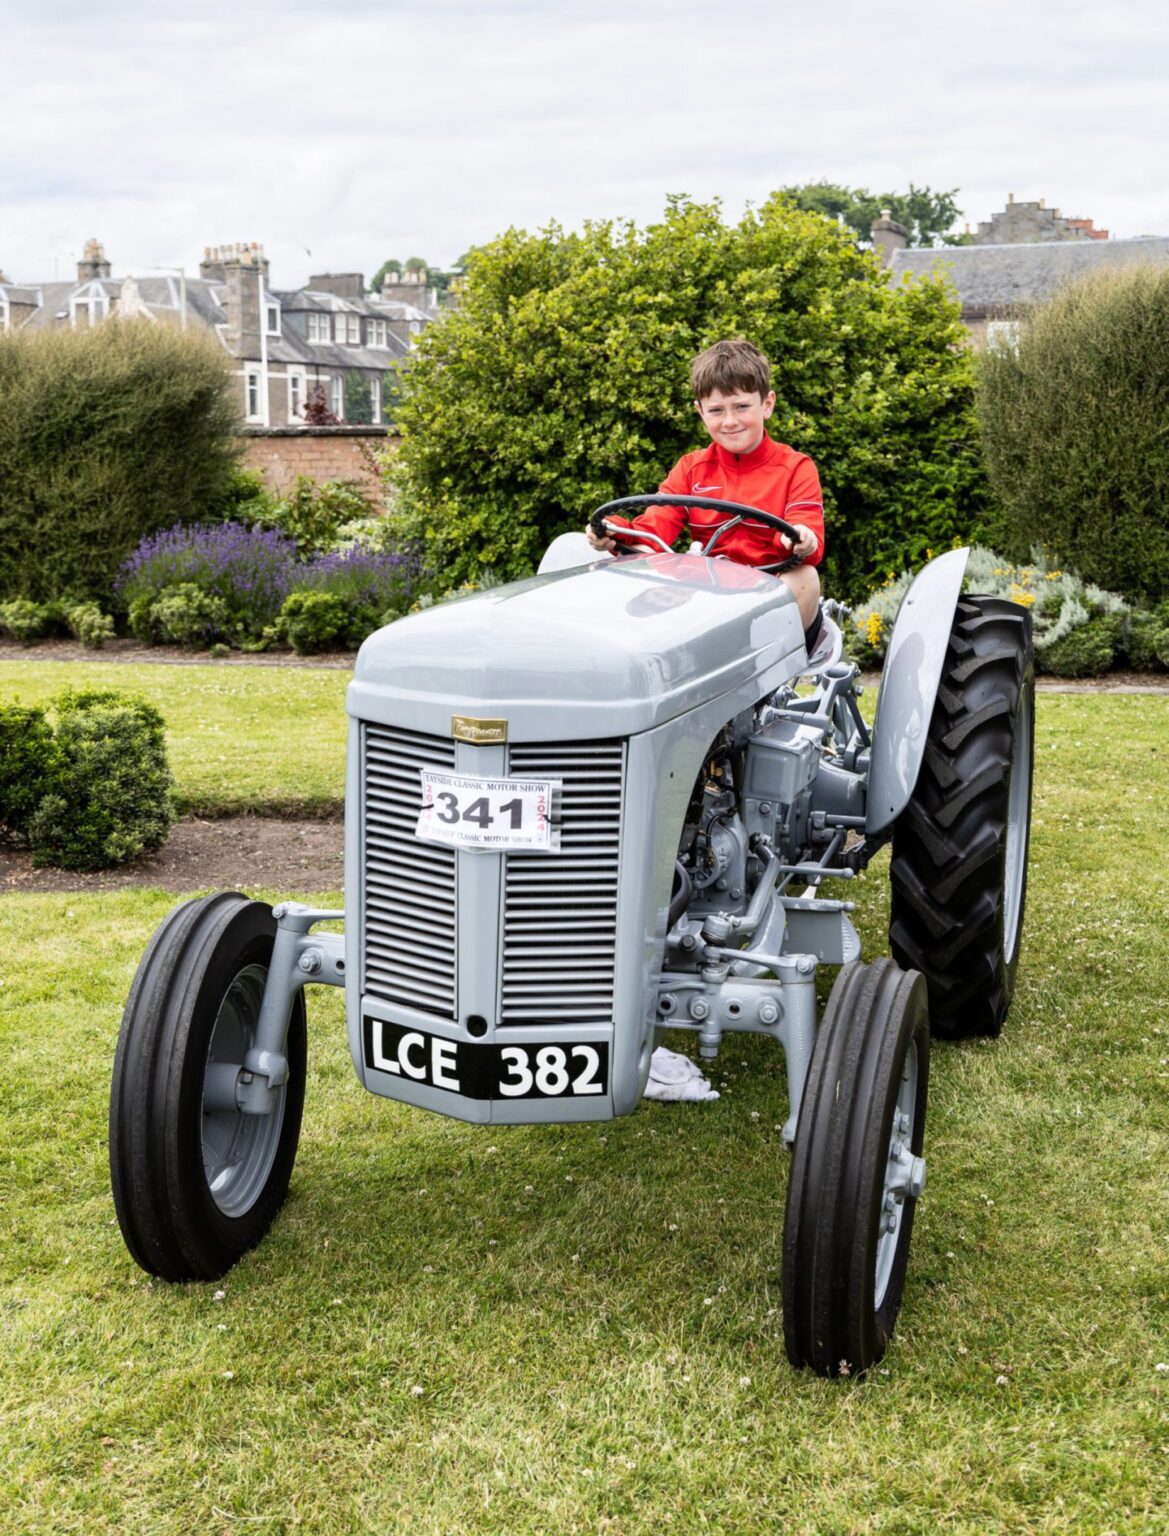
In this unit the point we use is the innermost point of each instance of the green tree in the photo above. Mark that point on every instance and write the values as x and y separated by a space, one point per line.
1073 421
391 268
928 216
561 381
437 277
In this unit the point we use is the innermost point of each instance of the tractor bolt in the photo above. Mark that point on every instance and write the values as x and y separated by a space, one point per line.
806 964
765 808
699 1008
768 1013
903 1123
891 1222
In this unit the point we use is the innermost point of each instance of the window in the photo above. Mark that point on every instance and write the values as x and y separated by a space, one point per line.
377 334
347 328
1003 333
295 395
253 388
88 310
355 329
375 401
273 319
318 328
337 397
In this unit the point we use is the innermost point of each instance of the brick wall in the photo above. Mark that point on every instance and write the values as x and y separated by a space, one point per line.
324 453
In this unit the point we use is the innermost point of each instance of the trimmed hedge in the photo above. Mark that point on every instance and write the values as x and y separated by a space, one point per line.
1073 424
107 435
94 792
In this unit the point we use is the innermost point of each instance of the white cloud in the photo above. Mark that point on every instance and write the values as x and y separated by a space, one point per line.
361 130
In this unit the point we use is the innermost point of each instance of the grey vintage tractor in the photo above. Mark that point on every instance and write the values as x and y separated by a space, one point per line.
583 809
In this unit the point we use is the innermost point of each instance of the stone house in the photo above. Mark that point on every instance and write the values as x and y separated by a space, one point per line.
286 343
1018 258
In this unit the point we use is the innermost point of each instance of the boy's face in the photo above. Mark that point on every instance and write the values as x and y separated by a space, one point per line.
735 421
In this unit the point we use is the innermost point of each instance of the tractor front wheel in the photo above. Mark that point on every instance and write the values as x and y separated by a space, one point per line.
196 1181
857 1171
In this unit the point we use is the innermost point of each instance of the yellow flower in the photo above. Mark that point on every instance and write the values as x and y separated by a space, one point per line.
873 629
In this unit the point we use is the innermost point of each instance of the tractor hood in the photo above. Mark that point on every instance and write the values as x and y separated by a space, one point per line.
610 649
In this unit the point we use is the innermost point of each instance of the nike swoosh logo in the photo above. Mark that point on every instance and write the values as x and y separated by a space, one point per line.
697 490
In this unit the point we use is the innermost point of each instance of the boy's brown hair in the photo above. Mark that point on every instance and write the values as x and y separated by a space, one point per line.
730 366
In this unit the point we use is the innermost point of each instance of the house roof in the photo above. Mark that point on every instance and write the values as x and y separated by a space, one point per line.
991 279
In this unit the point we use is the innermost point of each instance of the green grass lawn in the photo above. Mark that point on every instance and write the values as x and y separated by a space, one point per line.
266 740
579 1329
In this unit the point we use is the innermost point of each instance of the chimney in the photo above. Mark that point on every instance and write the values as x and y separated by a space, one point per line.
342 285
888 236
244 270
93 263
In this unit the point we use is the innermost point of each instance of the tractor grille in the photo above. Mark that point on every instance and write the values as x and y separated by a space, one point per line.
560 910
409 926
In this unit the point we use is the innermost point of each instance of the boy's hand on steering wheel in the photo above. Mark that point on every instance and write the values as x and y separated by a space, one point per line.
607 544
807 544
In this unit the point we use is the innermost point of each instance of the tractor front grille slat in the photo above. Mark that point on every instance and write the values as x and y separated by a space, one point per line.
560 910
409 924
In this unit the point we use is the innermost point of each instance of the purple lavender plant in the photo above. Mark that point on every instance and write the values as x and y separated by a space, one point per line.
367 579
251 569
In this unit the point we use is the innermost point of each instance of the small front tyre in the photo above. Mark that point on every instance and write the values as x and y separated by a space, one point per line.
857 1171
196 1182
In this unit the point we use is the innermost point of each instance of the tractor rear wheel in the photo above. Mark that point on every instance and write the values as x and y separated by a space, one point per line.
959 865
196 1182
857 1171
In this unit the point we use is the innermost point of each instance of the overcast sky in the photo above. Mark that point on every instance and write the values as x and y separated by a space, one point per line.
340 132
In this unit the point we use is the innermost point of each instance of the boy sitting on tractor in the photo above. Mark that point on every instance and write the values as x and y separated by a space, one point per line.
734 398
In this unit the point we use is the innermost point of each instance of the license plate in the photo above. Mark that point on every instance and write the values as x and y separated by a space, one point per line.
503 814
488 1071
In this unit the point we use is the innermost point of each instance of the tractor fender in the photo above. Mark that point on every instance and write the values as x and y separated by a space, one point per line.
909 686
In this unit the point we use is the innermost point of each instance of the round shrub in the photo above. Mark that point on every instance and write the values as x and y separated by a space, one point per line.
27 766
110 794
23 620
314 621
90 625
1073 425
1088 651
186 615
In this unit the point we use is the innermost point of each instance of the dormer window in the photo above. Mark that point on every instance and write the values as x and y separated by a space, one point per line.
318 328
347 328
87 309
273 319
376 333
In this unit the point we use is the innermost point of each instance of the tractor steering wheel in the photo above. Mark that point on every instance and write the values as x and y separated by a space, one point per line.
739 513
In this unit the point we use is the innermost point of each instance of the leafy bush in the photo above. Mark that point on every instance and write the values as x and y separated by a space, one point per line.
106 435
313 513
1146 638
1088 650
27 765
23 620
90 625
248 569
562 380
314 621
1073 424
1079 629
187 615
93 793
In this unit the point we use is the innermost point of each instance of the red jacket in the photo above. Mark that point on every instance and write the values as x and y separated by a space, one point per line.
772 476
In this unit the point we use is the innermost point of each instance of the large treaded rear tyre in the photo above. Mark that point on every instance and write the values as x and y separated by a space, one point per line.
959 866
196 1183
857 1171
